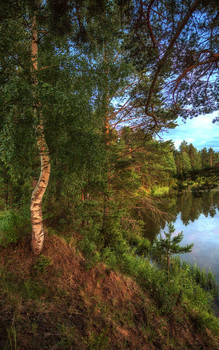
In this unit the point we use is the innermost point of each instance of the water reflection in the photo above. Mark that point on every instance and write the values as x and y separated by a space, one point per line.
192 206
188 205
204 234
198 217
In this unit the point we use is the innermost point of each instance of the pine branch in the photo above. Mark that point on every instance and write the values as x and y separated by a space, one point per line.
162 61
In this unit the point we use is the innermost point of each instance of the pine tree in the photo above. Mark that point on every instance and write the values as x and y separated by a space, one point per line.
168 245
173 47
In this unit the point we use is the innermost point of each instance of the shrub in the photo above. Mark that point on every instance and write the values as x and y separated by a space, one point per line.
42 263
141 245
206 279
166 246
159 191
14 225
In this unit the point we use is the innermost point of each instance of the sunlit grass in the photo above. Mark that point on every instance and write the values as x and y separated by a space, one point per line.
159 191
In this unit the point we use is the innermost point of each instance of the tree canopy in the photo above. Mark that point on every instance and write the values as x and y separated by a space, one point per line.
85 85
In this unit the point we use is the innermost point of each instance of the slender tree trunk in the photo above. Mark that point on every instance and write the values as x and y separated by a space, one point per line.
83 200
107 143
192 156
168 266
39 190
106 192
211 160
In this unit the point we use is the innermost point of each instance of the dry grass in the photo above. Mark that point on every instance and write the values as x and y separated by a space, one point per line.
70 307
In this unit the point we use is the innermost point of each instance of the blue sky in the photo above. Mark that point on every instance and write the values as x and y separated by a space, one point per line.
199 131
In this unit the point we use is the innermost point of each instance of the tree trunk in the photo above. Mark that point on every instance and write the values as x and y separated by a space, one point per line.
39 190
168 266
106 192
106 131
83 200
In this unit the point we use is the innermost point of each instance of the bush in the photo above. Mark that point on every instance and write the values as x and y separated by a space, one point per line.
203 320
14 225
141 245
91 244
206 279
159 191
42 263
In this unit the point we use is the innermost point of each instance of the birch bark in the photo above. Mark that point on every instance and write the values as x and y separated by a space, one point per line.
39 190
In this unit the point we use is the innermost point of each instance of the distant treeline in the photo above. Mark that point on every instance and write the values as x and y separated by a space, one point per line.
133 164
189 158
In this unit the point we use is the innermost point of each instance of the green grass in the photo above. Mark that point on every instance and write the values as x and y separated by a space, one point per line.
160 191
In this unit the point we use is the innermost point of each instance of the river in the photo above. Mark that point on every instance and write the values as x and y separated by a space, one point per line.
197 215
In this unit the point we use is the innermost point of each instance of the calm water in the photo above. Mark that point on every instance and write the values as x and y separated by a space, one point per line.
198 218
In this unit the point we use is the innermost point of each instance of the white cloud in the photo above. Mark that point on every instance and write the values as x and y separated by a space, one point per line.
177 142
200 131
189 139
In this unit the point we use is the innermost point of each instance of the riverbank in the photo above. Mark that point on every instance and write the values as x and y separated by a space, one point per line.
199 180
197 216
195 181
55 301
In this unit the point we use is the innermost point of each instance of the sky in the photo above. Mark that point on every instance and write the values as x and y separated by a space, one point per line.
200 131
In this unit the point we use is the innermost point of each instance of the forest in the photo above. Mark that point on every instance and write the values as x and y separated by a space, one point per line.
87 87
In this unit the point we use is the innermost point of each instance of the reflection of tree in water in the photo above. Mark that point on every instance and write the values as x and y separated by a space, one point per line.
212 212
190 205
153 224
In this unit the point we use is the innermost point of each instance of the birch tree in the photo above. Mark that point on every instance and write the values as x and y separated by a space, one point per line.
45 166
50 88
23 72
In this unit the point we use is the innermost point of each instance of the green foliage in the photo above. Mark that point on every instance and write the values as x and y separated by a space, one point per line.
170 244
206 279
164 247
158 191
144 50
14 225
43 263
67 336
12 337
97 341
110 71
141 245
203 319
191 163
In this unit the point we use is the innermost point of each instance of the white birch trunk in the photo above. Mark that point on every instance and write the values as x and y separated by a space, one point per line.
39 190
